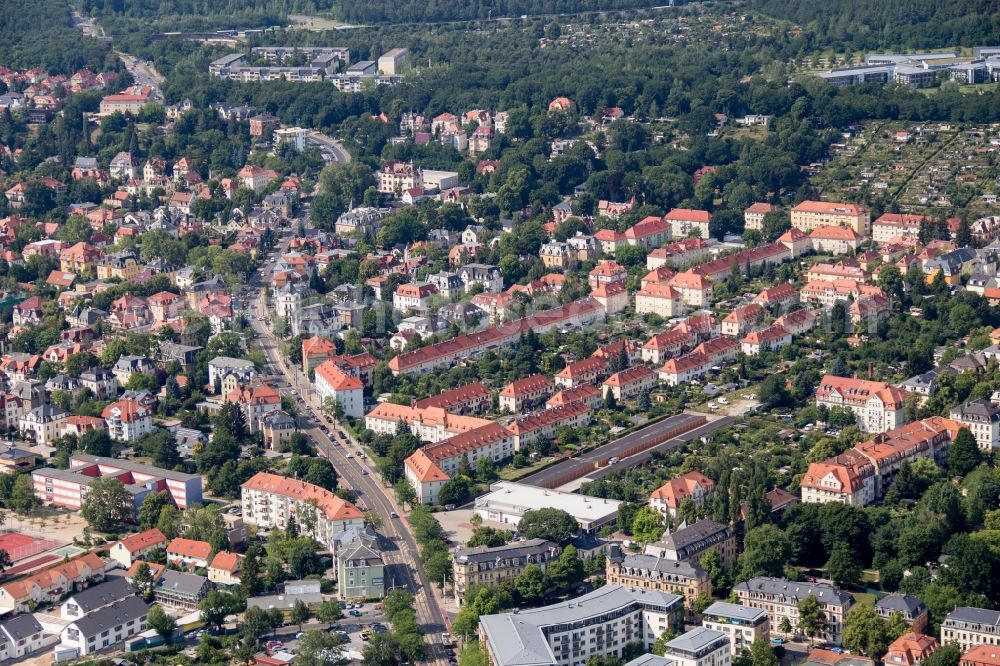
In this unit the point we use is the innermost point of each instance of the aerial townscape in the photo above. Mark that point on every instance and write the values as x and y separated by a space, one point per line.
500 333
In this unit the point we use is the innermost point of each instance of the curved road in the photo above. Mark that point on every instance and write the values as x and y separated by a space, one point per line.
402 565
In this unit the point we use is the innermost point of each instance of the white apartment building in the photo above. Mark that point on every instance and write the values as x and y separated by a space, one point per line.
601 623
127 420
742 624
269 500
700 647
345 390
968 627
982 418
106 626
878 406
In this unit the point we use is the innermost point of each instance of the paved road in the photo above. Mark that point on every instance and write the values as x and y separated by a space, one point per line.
403 569
551 476
330 147
144 74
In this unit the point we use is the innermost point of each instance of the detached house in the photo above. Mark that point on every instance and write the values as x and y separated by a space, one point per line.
693 486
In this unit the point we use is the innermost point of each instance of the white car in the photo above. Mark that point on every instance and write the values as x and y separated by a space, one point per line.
723 401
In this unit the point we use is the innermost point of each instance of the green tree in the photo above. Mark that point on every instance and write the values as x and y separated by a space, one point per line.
318 648
107 505
165 625
762 654
216 606
567 569
811 618
300 613
488 536
647 526
149 510
963 454
530 583
329 611
551 524
765 553
142 582
865 632
946 655
843 566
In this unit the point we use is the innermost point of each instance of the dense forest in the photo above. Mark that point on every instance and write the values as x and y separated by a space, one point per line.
418 11
41 34
121 17
870 24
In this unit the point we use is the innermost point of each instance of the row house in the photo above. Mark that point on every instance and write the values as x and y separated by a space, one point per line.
430 424
189 553
742 320
629 383
525 393
650 232
695 289
829 293
431 466
473 397
680 253
662 300
877 406
705 358
544 424
50 584
570 315
838 272
769 339
797 322
586 371
587 394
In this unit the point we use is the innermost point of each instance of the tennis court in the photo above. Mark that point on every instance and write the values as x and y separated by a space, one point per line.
22 546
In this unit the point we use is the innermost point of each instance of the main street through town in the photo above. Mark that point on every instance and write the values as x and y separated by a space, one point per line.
403 569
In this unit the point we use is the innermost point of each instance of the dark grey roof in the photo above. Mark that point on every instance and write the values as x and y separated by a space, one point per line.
182 583
21 626
980 410
98 596
662 565
722 609
650 660
794 591
903 603
109 617
695 641
983 616
586 541
692 534
515 549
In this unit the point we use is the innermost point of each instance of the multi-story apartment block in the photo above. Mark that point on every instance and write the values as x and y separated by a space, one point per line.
68 487
753 216
780 598
686 222
861 475
891 226
525 393
488 566
808 215
968 627
688 544
270 500
127 420
982 418
695 289
656 573
742 624
602 623
700 647
49 585
473 397
346 391
877 406
660 299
